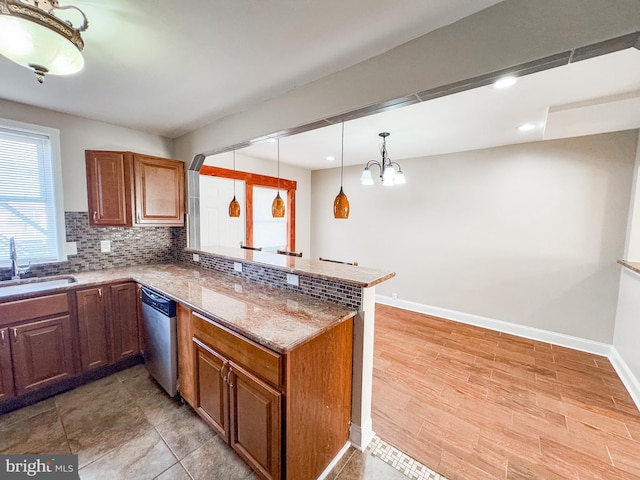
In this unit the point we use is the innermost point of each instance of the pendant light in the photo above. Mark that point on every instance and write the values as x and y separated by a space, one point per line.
277 207
234 206
341 203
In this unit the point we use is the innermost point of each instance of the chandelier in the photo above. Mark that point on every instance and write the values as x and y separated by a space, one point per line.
32 35
388 174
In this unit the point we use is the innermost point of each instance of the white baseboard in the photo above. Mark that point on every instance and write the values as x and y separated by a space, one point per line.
629 380
361 435
532 333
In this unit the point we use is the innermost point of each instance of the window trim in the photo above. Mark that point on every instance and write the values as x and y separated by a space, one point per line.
252 179
56 164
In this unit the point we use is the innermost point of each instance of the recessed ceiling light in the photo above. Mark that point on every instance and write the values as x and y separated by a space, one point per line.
505 82
331 158
271 140
527 127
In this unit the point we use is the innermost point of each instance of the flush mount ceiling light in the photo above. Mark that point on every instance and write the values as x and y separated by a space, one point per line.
32 36
527 127
277 207
388 174
341 202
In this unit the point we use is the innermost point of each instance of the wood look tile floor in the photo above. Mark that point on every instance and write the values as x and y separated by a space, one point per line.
475 404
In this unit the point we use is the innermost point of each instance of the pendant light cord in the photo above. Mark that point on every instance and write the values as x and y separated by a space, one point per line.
278 165
234 174
342 158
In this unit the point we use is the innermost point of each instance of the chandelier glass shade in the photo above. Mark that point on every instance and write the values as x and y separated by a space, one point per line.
32 36
390 172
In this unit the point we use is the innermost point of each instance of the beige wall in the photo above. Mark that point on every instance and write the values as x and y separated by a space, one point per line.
627 330
79 134
528 234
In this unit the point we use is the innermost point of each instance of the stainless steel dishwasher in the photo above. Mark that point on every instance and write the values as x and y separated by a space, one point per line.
160 343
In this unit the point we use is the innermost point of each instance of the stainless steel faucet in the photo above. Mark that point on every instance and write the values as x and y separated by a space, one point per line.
16 269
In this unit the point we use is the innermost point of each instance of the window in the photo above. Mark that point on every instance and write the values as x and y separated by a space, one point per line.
31 207
260 228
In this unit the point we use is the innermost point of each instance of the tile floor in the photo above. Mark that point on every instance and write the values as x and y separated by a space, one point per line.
474 404
125 427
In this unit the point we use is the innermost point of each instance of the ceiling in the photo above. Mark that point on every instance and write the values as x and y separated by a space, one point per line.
597 95
170 67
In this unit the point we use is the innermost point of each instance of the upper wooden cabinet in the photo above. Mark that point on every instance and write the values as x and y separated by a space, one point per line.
126 189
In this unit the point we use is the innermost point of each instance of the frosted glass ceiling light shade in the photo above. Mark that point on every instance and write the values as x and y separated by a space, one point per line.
32 36
388 174
341 203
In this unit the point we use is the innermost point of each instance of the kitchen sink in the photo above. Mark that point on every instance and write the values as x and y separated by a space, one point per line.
28 285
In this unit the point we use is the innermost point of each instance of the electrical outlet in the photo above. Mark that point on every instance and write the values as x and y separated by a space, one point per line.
237 267
292 279
105 246
72 248
196 257
394 296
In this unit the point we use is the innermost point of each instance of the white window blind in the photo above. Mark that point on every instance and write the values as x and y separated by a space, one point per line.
27 197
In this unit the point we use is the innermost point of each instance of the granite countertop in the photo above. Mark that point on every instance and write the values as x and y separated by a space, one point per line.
348 274
633 266
275 318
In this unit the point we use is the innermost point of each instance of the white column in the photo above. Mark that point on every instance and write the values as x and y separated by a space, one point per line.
363 330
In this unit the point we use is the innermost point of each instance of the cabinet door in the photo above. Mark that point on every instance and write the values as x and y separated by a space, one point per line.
95 344
124 320
256 423
6 370
42 353
109 188
159 191
211 388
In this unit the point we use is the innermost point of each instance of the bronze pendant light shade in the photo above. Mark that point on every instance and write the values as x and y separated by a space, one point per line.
234 206
341 203
277 207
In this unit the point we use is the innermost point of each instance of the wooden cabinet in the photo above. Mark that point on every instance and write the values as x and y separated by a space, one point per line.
42 353
108 324
244 410
93 327
159 190
36 344
259 400
109 180
126 189
6 369
124 320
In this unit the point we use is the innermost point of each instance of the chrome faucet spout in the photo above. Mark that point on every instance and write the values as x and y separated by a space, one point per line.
16 269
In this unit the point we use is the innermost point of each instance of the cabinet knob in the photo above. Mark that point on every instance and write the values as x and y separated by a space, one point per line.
15 335
2 340
100 293
95 216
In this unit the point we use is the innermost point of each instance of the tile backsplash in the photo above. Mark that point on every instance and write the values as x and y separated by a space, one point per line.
129 246
148 245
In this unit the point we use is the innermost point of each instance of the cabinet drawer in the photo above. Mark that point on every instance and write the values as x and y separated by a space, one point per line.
12 312
246 353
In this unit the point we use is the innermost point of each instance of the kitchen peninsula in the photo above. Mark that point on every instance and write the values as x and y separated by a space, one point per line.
285 355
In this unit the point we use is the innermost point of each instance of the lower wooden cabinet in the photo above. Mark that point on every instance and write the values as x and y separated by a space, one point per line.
7 390
107 324
42 353
244 410
255 427
259 400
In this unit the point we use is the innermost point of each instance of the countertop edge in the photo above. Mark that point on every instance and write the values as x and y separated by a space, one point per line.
633 266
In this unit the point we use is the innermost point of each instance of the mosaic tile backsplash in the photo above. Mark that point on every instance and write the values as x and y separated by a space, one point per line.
129 246
148 245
